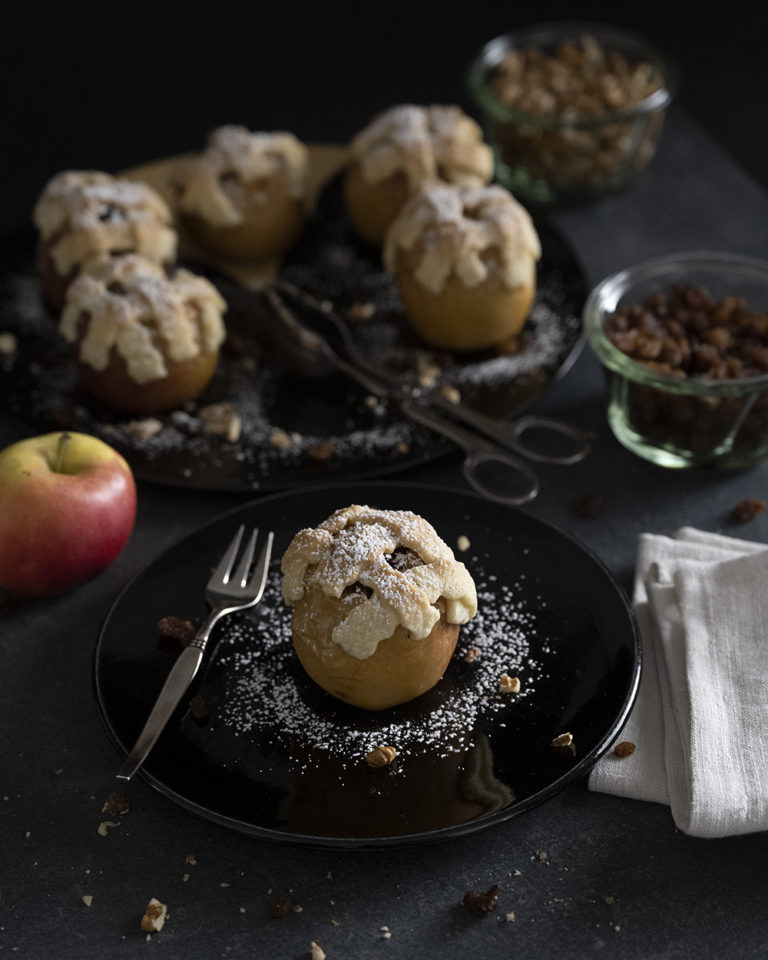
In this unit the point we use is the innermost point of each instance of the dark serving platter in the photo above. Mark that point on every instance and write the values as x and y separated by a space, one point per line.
328 427
273 756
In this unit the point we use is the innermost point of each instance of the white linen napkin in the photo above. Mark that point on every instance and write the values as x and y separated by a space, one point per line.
700 721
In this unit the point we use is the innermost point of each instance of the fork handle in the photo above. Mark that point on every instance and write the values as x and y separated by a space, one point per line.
177 683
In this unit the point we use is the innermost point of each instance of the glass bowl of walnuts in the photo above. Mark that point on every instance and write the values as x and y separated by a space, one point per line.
573 111
683 340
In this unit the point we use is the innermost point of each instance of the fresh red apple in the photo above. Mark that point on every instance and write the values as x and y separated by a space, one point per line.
67 508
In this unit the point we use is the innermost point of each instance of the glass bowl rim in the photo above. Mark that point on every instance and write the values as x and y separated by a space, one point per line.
491 53
621 282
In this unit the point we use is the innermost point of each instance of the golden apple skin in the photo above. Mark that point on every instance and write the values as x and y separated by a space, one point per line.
67 509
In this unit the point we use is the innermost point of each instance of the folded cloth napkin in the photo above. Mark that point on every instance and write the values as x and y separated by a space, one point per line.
700 721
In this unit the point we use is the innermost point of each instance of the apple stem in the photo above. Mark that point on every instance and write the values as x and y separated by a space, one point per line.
60 451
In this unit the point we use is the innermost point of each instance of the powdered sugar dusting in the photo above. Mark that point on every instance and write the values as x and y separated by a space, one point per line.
266 689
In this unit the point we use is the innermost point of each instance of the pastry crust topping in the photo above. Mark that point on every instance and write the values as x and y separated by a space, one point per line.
423 143
354 546
82 214
128 304
468 232
211 184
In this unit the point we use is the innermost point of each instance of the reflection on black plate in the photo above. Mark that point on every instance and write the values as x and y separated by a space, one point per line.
270 754
297 429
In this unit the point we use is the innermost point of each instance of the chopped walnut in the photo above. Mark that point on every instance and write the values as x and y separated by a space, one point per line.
482 903
174 628
624 749
143 429
563 740
116 805
280 440
281 908
427 370
198 707
451 394
324 450
472 654
361 311
746 510
221 420
154 916
190 858
87 899
381 756
316 951
588 505
104 826
509 347
8 343
509 684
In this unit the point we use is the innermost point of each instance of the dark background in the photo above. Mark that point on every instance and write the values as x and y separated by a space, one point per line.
108 85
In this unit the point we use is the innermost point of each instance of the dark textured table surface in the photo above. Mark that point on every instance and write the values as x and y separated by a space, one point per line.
618 878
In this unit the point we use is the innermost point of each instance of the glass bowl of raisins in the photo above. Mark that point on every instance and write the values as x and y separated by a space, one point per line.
573 111
683 340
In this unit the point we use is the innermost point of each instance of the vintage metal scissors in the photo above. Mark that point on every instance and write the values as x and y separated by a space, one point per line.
490 443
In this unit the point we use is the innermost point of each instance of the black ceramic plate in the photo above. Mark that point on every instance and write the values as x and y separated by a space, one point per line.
276 757
328 429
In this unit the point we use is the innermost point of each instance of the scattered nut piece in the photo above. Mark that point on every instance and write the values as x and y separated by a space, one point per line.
324 450
451 394
510 917
542 855
361 311
609 899
746 510
280 440
186 877
281 908
563 740
508 348
8 343
154 916
316 951
588 505
221 420
427 370
198 707
87 899
105 825
472 654
381 756
190 858
174 628
624 749
462 543
482 903
143 429
509 684
116 805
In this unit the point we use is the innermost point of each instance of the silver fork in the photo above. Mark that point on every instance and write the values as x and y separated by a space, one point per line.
226 592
